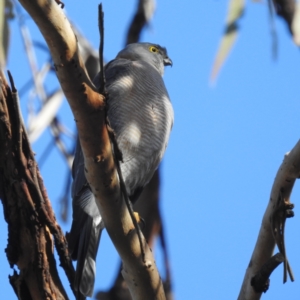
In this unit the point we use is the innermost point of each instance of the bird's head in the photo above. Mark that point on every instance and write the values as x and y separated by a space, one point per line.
153 54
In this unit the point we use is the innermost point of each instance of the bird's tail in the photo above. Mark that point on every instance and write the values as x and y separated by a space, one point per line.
86 259
83 245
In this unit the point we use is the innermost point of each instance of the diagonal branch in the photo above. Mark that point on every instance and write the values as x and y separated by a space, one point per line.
88 108
30 244
273 223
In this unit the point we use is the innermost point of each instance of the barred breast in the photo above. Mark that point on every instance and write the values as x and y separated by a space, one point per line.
141 114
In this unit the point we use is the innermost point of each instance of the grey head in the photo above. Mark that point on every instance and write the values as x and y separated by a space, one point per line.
153 54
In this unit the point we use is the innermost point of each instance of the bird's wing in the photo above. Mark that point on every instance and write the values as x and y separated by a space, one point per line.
141 115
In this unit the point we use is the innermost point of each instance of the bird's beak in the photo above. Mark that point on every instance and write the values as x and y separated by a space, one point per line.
168 61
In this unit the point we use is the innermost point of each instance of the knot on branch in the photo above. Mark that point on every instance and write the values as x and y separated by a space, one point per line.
261 282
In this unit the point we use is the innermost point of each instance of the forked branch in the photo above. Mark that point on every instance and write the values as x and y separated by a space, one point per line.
273 224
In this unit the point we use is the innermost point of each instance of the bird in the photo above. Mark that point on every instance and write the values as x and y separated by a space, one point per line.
141 115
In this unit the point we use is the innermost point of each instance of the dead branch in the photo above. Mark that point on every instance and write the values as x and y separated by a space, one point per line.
273 223
27 210
88 108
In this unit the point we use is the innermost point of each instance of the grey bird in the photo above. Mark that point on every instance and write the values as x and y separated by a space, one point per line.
141 114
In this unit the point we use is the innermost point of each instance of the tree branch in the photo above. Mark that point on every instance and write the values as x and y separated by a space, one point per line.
144 12
272 228
286 10
88 108
30 244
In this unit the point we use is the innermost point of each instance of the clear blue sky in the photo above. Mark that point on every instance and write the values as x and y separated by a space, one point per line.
225 149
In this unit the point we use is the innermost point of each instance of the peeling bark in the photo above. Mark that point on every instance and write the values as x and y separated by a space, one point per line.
27 211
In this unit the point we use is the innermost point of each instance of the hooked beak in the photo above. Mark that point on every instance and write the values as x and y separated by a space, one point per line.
168 61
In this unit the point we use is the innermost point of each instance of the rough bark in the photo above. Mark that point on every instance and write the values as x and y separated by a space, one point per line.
27 211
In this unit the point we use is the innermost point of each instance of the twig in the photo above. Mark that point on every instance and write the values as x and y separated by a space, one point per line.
18 118
261 281
62 5
38 76
143 14
116 150
273 30
101 31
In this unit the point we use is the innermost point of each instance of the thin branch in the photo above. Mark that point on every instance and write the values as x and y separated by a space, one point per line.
123 188
101 47
261 281
19 118
38 76
273 30
143 15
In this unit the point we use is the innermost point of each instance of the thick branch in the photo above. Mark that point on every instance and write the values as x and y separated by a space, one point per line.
88 109
288 172
30 244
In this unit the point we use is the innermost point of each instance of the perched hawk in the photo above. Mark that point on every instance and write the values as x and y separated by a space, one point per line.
141 114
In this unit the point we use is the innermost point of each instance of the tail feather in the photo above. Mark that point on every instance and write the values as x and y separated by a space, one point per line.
83 240
86 229
86 257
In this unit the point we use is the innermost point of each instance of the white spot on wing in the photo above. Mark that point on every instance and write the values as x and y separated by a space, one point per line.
125 82
133 133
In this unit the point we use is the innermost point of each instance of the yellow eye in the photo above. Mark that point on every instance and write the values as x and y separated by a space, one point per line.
153 49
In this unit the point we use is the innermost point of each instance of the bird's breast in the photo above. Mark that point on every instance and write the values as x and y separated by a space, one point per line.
141 115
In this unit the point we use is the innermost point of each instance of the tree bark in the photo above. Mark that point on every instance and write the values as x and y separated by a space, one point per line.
27 210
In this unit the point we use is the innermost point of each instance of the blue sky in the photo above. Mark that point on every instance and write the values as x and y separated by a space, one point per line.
226 146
